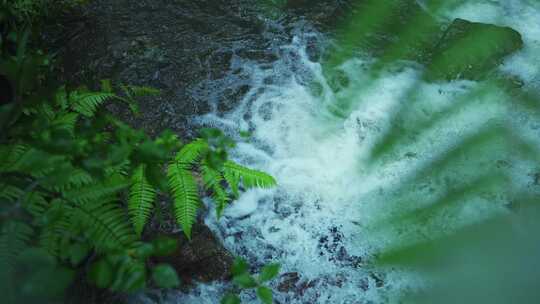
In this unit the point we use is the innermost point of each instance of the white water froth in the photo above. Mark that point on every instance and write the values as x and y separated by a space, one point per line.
313 222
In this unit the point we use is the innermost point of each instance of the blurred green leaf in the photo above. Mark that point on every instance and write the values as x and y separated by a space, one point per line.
230 299
245 280
165 276
265 294
269 272
164 246
101 273
144 251
240 266
48 282
78 252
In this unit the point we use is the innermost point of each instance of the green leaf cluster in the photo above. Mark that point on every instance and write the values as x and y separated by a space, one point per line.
244 280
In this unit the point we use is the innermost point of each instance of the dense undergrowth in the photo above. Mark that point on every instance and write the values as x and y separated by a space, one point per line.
78 186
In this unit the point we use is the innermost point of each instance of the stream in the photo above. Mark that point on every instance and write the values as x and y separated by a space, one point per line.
332 185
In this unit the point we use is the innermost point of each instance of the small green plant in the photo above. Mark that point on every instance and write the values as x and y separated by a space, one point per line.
244 280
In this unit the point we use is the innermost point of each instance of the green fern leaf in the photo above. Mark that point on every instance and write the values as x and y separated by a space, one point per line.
106 225
233 172
212 181
141 199
61 98
141 91
67 122
35 203
87 103
61 224
10 193
11 156
98 191
233 180
191 153
13 240
185 194
77 179
28 160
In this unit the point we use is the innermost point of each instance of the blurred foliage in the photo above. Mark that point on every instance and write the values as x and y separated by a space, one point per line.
245 281
463 216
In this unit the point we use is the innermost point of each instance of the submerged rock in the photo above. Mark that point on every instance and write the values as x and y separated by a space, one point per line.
403 30
471 50
389 30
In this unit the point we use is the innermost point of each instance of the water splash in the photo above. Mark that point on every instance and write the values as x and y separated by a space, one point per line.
334 179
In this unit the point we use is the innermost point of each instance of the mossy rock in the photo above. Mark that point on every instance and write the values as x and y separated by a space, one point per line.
471 50
388 30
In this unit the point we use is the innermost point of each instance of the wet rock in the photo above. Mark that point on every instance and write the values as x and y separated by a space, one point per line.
323 13
390 30
288 281
471 50
231 97
332 246
378 279
536 178
170 45
203 259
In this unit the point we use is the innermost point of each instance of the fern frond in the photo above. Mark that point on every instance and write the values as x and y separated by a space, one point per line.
67 122
121 168
10 193
28 160
11 155
61 98
141 199
185 194
140 91
13 240
233 180
212 181
234 172
35 203
78 178
106 225
87 103
60 228
97 191
191 153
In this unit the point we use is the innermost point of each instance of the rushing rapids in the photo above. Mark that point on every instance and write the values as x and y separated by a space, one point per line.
335 177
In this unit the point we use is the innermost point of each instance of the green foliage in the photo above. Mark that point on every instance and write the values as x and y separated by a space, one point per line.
141 199
200 155
186 195
165 276
244 280
78 187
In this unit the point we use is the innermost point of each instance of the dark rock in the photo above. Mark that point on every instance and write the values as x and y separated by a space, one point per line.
536 179
471 50
288 281
171 45
323 13
203 259
6 91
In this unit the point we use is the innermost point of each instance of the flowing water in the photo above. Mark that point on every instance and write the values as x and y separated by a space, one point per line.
332 185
